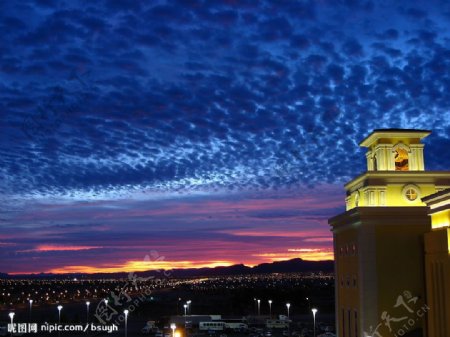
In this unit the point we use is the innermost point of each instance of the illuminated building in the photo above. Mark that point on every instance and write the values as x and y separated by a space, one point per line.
379 241
437 264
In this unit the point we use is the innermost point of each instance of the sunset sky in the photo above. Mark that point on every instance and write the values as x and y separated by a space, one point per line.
137 135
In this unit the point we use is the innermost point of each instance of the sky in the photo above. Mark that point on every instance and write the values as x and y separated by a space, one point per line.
141 135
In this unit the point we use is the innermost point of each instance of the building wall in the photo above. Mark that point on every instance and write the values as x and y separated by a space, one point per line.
379 257
400 272
437 263
389 194
347 294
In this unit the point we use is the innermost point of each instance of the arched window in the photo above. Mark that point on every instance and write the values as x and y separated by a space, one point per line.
401 159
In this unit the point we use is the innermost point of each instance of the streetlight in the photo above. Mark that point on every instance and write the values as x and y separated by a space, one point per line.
185 308
59 318
288 305
309 303
106 302
11 315
189 306
270 308
126 321
173 327
259 305
31 303
314 311
59 313
87 311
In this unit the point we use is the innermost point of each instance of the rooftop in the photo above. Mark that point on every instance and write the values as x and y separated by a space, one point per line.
393 133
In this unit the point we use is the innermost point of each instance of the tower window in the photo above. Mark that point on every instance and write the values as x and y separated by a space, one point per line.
411 194
349 323
343 322
401 160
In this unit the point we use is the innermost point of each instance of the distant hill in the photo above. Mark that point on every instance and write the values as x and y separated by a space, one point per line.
289 266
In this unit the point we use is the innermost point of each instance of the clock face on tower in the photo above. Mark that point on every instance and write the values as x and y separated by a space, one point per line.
401 160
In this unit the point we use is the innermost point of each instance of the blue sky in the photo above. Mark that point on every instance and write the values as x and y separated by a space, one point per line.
213 132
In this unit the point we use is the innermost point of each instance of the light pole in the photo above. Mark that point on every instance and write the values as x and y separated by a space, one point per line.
106 302
314 311
59 318
31 303
87 311
270 308
59 313
126 322
288 305
11 316
259 306
189 306
185 308
173 327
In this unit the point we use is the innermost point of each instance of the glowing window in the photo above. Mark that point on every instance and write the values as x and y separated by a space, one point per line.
411 194
401 160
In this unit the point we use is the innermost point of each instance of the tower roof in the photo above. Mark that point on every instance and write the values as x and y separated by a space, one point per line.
393 133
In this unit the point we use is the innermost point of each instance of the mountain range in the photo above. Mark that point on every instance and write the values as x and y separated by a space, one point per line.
288 266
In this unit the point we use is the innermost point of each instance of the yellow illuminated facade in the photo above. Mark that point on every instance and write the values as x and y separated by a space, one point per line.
437 264
379 240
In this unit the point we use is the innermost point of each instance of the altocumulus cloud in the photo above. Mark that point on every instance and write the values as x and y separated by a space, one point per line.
173 96
123 99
